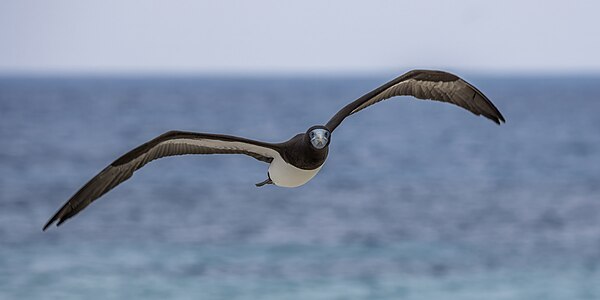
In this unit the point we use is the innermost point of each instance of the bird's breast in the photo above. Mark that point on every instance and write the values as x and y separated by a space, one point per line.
286 175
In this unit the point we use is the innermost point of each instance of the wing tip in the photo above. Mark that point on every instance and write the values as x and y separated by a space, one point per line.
502 120
498 119
59 216
49 223
52 221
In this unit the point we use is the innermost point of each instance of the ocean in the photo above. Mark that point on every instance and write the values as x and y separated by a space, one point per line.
418 199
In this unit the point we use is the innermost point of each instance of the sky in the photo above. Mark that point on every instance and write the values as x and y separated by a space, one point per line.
308 36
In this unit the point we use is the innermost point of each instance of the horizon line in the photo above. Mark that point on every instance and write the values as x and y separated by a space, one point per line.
284 73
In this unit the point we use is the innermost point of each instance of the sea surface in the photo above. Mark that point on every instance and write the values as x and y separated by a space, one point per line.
418 199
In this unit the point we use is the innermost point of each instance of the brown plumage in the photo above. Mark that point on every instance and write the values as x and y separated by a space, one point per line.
169 144
425 84
293 162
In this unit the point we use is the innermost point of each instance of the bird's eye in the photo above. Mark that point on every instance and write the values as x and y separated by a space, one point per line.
312 134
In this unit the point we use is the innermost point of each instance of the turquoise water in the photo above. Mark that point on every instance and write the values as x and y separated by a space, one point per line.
418 200
288 272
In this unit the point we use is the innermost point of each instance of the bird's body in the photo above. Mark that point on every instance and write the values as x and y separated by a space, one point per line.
298 161
291 163
285 174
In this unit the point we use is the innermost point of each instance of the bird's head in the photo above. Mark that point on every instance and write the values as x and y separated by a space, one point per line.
319 136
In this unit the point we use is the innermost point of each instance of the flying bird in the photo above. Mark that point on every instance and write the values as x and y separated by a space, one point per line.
291 163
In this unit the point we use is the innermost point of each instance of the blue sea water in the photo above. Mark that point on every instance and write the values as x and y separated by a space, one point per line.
418 200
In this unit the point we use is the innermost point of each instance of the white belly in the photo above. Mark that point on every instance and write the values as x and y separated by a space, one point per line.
286 175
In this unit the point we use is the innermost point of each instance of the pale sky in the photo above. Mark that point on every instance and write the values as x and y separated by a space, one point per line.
309 36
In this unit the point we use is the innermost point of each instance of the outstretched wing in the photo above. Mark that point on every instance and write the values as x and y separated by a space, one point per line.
425 84
168 144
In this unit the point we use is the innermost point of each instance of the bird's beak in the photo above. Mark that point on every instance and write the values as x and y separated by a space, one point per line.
319 140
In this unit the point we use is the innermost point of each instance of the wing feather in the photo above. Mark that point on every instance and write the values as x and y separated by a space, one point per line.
427 85
169 144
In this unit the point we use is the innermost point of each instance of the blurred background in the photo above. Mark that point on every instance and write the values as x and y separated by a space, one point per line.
418 200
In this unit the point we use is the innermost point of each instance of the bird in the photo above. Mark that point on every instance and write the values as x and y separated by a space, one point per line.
291 163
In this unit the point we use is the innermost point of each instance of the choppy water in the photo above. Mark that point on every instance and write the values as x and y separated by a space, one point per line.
418 200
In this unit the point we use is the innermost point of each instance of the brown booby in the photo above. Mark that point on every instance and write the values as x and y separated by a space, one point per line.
291 163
